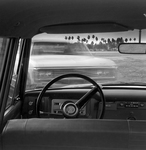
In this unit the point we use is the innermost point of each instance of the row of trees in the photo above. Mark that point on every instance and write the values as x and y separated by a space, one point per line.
95 44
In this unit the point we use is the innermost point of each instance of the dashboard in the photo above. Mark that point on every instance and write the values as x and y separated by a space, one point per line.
122 102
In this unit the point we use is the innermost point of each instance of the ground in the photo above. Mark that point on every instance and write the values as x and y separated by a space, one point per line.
131 68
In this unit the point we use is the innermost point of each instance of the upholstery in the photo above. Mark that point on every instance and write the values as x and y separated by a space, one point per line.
64 134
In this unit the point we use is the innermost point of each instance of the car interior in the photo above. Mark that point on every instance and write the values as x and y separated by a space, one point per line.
91 97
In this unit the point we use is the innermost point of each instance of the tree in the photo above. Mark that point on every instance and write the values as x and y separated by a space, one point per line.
96 38
109 44
92 43
93 36
65 37
122 40
69 38
119 40
126 40
84 40
113 40
109 41
78 37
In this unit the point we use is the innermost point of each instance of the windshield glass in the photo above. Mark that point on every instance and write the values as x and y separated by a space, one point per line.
59 48
94 55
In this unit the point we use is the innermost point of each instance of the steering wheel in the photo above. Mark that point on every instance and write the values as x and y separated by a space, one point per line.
71 109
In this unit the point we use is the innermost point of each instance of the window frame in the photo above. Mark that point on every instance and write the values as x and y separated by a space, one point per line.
7 72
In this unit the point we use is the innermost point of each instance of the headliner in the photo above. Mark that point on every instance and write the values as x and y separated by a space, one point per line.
25 18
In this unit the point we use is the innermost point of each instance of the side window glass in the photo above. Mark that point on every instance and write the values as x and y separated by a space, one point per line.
14 79
3 47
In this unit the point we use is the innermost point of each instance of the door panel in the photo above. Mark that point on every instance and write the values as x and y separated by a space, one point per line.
13 112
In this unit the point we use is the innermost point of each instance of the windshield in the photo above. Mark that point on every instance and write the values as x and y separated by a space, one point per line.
59 48
94 55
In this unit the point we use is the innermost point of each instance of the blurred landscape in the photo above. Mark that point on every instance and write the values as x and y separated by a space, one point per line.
131 68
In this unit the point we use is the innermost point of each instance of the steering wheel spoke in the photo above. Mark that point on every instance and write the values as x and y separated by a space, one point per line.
83 100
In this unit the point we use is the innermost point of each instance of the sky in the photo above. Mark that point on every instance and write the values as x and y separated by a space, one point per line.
61 37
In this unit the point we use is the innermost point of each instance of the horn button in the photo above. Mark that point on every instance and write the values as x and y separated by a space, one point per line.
70 110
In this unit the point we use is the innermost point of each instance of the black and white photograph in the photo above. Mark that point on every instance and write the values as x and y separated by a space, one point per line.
72 74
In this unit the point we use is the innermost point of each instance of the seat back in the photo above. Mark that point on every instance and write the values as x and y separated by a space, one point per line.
66 134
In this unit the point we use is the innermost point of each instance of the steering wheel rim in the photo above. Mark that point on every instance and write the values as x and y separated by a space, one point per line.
49 84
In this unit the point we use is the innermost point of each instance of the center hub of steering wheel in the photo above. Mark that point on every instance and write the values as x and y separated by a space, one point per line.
70 110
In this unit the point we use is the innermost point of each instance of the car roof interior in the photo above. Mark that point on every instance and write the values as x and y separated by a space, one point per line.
27 18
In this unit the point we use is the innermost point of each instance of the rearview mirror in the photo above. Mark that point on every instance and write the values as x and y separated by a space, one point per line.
132 48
